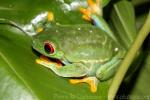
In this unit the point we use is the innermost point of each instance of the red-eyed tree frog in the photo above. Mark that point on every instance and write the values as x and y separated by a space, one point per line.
86 53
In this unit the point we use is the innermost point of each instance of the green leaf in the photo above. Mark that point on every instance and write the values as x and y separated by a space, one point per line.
123 22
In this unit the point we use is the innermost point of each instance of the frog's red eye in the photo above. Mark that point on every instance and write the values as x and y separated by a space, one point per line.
48 47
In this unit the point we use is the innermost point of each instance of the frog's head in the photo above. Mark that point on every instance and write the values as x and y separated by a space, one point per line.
47 47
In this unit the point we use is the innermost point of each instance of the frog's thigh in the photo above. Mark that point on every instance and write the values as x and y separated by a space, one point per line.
92 81
107 70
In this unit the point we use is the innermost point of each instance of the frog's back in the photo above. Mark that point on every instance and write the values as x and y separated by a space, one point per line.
82 42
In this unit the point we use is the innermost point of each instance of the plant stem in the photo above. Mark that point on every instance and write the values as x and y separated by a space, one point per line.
128 59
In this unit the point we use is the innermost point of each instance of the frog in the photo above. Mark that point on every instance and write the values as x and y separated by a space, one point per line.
83 53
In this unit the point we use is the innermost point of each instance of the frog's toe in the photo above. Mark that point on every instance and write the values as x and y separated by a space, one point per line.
93 8
86 14
92 81
50 16
39 29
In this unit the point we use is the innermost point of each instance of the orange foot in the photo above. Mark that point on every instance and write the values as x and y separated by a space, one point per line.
92 81
94 8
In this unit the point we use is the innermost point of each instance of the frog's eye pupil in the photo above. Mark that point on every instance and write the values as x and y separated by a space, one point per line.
48 47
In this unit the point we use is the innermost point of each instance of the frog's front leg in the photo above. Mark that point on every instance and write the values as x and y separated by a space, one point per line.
69 70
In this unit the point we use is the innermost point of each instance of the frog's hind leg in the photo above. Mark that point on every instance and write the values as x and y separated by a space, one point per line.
92 81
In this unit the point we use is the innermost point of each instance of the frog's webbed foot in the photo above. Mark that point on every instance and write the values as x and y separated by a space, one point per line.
93 8
92 81
42 24
43 60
